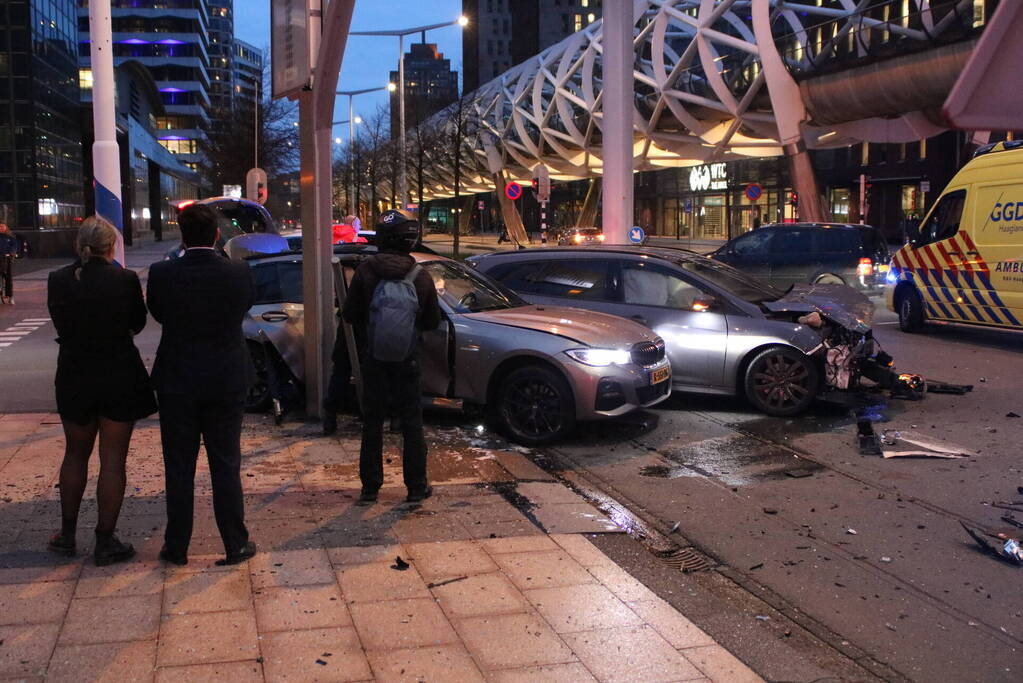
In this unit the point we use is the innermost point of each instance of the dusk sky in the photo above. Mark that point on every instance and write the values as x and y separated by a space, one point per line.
368 60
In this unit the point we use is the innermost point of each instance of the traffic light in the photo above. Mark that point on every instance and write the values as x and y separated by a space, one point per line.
794 199
536 185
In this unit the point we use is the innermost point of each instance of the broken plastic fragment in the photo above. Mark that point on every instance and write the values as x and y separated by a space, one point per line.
400 564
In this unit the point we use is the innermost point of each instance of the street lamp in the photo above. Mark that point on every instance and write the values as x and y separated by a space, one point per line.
353 119
462 21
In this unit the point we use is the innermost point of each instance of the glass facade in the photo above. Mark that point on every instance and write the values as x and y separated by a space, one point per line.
40 134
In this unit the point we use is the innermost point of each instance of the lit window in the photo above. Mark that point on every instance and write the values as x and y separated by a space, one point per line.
923 149
85 79
864 153
578 22
591 17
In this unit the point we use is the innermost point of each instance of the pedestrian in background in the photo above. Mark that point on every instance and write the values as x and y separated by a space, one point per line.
101 383
9 249
392 300
201 381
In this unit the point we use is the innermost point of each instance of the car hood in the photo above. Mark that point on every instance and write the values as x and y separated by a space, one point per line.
586 327
841 304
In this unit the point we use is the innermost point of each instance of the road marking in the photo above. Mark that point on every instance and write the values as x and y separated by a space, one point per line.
20 330
36 320
5 343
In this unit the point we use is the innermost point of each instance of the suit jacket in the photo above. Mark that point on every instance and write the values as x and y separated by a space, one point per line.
201 300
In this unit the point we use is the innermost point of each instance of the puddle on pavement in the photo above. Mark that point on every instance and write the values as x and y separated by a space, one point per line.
737 460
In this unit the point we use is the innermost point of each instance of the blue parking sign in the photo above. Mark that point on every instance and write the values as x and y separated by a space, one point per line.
636 235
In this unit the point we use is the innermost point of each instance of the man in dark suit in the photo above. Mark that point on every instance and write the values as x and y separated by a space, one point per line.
200 377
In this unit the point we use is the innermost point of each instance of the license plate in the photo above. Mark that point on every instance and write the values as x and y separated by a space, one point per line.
659 375
882 268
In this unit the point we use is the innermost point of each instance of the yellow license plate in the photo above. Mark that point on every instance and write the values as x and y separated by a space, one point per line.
659 375
882 268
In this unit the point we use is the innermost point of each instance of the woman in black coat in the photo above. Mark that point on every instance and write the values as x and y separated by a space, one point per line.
102 385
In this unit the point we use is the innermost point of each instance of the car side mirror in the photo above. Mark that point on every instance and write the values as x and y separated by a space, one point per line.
705 303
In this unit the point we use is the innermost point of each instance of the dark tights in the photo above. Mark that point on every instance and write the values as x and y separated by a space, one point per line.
114 438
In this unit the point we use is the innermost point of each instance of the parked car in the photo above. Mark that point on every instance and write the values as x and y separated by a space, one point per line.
536 369
784 254
235 217
726 332
580 236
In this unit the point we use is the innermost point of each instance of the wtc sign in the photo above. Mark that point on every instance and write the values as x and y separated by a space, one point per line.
708 177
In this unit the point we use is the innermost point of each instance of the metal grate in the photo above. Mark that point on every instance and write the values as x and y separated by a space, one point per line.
686 559
648 353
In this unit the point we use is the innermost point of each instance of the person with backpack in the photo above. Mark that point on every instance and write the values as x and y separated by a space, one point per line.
391 301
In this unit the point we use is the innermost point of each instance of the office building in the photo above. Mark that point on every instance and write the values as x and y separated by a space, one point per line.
430 85
172 40
41 194
246 76
503 33
221 48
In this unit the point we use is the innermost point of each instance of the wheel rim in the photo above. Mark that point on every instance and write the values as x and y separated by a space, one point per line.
906 310
780 381
829 280
532 407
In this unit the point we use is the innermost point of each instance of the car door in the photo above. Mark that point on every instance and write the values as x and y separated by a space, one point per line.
277 317
792 258
935 258
749 253
662 298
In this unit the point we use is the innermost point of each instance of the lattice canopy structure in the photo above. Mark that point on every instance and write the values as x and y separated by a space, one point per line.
715 80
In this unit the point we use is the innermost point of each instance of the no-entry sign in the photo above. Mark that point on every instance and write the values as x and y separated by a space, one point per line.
513 191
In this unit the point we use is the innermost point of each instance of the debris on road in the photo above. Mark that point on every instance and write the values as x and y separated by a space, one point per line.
675 527
1002 547
770 511
868 442
851 532
400 564
886 559
893 443
1012 414
936 386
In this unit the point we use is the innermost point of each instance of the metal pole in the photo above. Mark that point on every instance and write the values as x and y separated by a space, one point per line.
616 125
354 211
106 157
402 179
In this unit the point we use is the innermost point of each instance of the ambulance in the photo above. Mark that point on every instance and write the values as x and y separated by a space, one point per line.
966 265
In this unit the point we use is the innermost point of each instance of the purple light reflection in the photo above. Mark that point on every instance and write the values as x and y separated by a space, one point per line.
172 90
171 41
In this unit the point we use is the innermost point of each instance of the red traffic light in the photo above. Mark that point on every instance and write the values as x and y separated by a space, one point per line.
794 199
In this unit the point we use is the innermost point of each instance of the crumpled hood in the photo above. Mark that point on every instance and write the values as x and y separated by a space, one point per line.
841 304
588 327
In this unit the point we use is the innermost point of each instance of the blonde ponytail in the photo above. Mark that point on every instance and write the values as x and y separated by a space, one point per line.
96 239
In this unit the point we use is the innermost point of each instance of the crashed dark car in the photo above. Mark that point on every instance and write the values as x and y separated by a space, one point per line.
726 332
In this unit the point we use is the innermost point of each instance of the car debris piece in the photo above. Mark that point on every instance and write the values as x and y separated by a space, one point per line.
998 545
936 386
1009 519
1012 415
400 564
675 527
911 445
867 438
851 532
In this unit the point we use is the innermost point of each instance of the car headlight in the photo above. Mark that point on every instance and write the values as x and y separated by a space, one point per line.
892 277
600 357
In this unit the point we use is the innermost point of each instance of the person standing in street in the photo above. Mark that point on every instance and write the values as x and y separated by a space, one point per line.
101 384
392 301
9 248
201 381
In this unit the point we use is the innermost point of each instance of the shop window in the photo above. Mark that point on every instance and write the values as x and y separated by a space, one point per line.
840 201
943 222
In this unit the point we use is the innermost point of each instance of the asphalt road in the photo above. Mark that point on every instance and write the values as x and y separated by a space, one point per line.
772 504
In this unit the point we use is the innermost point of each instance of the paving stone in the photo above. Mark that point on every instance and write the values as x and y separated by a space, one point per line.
106 662
249 671
544 493
720 665
500 530
188 592
35 603
672 626
581 550
207 637
344 557
635 653
26 649
512 640
543 569
111 619
376 582
622 583
295 656
581 608
401 624
444 663
448 559
521 467
291 568
552 673
572 518
480 595
30 566
520 544
300 607
144 577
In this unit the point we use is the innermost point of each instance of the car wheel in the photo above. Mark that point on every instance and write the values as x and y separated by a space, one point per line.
258 398
911 310
828 279
535 405
781 381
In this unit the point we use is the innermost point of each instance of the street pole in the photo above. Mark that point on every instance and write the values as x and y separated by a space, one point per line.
402 179
351 148
616 126
106 157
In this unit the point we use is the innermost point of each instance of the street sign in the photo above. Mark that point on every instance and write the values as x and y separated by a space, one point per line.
293 44
255 185
925 185
754 191
637 235
481 205
542 183
513 191
689 206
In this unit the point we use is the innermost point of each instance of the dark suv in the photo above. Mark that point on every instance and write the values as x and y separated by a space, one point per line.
830 253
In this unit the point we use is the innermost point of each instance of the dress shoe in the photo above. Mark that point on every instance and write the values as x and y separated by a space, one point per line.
173 558
110 549
62 545
248 551
419 496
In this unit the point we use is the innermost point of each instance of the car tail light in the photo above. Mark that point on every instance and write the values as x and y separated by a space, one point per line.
577 239
600 237
866 267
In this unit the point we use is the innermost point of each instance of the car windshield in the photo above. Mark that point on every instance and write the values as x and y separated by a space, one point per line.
466 291
278 282
731 280
238 218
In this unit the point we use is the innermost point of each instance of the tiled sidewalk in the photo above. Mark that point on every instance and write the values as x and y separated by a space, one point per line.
487 595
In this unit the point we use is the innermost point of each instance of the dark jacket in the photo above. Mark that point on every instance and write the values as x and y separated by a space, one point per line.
201 300
9 244
389 266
